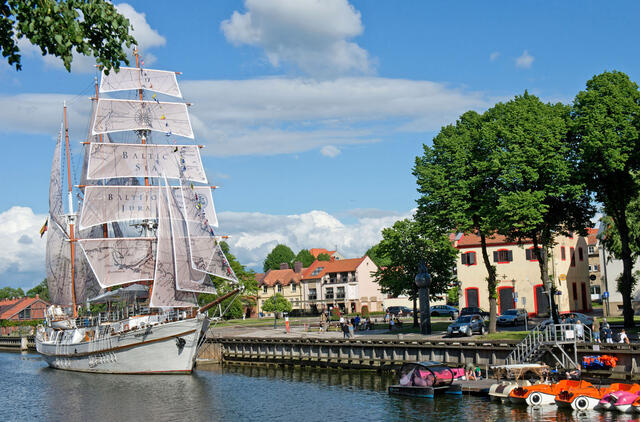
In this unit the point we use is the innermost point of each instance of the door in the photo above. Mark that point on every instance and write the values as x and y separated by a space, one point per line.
585 304
471 297
542 301
505 295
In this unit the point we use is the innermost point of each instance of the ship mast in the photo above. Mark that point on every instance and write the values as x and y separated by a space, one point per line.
70 217
105 229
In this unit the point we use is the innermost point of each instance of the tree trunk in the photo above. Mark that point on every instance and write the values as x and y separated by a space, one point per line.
543 263
626 285
491 283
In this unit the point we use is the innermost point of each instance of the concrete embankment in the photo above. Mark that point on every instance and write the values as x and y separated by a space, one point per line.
17 343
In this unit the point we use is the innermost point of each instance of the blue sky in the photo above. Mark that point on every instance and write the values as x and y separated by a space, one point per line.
312 112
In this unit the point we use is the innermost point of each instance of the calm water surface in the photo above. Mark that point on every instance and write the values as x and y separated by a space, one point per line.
32 391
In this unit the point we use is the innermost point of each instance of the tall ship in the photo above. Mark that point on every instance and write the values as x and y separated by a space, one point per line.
136 240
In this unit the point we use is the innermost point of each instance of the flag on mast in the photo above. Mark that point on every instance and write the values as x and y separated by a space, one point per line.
43 230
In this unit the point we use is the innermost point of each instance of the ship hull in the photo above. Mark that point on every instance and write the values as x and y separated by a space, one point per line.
169 348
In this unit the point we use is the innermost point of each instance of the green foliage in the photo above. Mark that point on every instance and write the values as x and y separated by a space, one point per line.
611 236
277 303
60 27
19 323
453 296
364 311
41 289
305 257
324 257
606 133
9 292
278 255
405 245
377 257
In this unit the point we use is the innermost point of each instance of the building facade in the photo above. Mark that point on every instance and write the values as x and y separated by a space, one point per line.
285 281
21 309
593 250
518 274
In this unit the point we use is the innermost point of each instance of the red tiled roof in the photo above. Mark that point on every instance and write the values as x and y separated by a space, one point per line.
472 239
338 266
591 236
10 307
282 277
317 251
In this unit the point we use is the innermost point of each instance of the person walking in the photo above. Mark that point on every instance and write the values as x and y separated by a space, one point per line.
595 330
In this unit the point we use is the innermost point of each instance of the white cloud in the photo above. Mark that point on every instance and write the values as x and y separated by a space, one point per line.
330 151
525 60
494 56
20 245
310 34
253 235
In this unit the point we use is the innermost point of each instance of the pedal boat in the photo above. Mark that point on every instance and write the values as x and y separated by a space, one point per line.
425 379
621 399
540 394
584 397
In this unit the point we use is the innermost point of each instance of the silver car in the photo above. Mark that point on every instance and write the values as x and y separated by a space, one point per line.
513 317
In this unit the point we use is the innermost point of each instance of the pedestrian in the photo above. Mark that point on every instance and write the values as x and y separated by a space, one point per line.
564 320
351 328
323 322
605 324
391 323
357 322
595 330
623 337
387 316
608 335
579 330
470 372
369 325
345 331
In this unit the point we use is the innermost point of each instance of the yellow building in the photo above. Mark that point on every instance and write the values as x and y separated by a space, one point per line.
284 281
518 274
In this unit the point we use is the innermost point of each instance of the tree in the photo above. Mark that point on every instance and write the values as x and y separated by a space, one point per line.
60 27
457 178
42 290
539 196
9 292
324 257
375 255
305 257
278 255
277 303
405 245
606 133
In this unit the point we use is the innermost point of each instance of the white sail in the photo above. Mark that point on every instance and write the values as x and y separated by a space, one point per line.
205 252
187 278
58 262
86 284
117 261
120 115
165 293
105 204
56 209
128 78
109 160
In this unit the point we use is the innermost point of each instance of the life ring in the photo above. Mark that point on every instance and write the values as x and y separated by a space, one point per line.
536 398
582 403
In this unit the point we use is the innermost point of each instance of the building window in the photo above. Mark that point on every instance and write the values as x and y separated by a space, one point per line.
344 277
502 256
595 267
572 256
332 278
25 314
580 254
531 254
264 289
293 287
279 288
563 253
317 271
591 249
313 295
340 293
468 258
575 291
329 293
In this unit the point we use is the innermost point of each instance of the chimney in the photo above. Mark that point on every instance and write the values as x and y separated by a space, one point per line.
297 266
284 266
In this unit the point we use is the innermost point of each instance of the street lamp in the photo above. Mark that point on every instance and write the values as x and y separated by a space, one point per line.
423 280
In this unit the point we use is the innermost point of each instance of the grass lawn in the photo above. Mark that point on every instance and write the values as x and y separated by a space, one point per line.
505 335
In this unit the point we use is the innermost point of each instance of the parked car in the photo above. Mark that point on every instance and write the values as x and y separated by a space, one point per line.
466 325
471 310
399 311
571 318
513 317
444 310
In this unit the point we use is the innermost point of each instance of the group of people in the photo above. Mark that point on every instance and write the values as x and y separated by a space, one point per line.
604 330
392 320
347 326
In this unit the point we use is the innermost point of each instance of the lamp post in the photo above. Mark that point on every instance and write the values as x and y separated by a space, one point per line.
423 280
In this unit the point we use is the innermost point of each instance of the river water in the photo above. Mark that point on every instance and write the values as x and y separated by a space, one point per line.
32 391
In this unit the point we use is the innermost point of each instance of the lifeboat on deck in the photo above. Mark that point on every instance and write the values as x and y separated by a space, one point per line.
540 394
583 397
621 399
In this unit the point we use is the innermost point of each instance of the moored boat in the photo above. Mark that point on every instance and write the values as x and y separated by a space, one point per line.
540 394
620 399
425 379
582 397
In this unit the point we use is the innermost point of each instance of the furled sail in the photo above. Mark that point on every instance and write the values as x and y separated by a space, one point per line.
117 261
108 160
56 209
128 78
58 262
114 115
165 294
187 278
206 254
105 204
